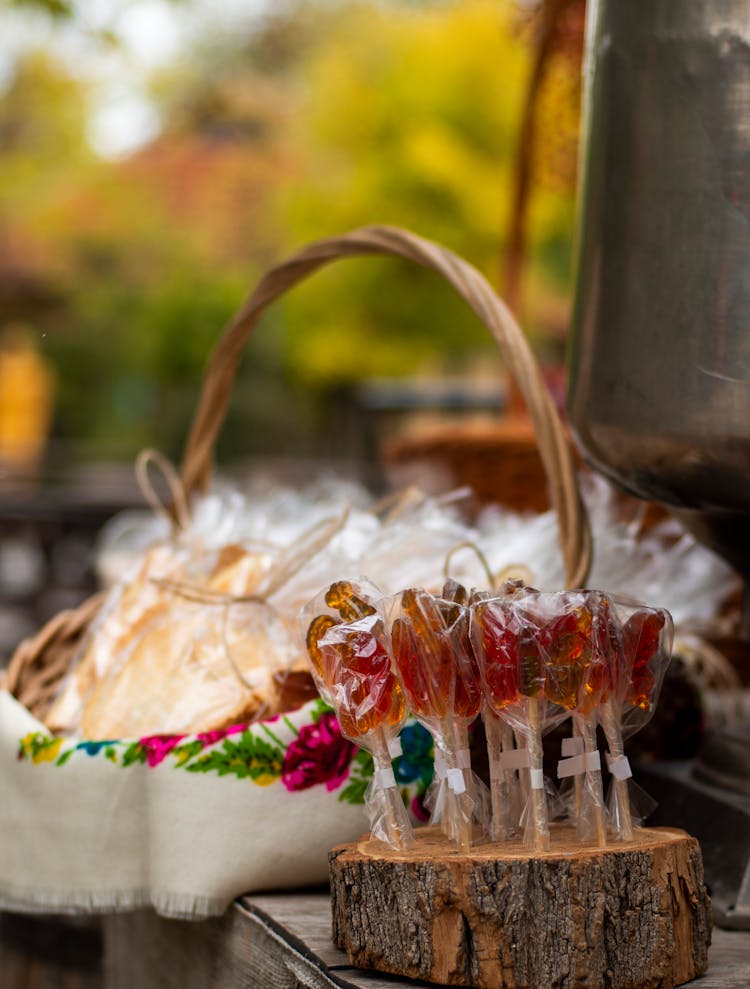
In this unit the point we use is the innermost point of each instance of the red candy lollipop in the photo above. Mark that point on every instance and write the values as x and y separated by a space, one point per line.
352 668
638 653
642 642
506 632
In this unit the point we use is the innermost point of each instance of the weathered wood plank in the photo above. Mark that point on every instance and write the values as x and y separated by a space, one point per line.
282 941
143 951
338 969
49 953
306 916
728 962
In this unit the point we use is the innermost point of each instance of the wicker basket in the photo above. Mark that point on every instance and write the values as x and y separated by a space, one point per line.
39 663
210 838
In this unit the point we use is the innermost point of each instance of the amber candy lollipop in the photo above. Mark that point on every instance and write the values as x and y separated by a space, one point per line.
576 680
644 638
638 654
426 637
467 696
353 670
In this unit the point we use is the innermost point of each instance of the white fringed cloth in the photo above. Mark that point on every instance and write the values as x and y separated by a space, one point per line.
182 824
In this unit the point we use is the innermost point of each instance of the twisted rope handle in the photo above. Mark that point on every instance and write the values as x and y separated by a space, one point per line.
573 525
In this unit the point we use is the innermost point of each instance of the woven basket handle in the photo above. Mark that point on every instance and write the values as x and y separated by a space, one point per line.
573 525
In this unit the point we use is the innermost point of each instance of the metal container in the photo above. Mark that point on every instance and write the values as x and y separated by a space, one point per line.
660 353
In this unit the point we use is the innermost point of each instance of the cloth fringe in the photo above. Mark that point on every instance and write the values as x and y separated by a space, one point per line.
170 904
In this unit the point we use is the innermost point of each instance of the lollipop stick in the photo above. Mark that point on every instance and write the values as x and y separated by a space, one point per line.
461 737
513 782
613 734
522 795
586 728
539 838
498 736
458 801
397 824
577 789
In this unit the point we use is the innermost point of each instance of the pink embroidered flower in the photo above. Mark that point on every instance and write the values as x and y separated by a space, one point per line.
418 809
210 737
319 754
157 747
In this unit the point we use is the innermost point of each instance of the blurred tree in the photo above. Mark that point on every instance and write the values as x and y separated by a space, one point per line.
324 116
42 151
548 132
410 115
55 8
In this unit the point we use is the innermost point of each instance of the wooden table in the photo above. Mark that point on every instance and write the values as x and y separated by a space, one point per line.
264 941
283 941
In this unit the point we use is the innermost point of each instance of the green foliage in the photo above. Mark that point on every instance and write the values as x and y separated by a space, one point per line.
55 8
360 778
410 117
325 116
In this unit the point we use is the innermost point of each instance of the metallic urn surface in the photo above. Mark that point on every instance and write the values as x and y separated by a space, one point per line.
660 352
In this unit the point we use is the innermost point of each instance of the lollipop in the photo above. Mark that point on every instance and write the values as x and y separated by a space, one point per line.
576 680
352 669
432 655
506 637
467 695
500 680
638 654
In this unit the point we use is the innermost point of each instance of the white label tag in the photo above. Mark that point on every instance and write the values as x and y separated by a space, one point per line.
515 759
577 764
456 780
573 745
536 779
619 767
394 747
383 779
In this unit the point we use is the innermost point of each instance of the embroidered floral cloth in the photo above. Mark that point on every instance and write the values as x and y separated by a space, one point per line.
182 823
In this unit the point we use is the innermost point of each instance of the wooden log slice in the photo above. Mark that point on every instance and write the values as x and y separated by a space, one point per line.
633 915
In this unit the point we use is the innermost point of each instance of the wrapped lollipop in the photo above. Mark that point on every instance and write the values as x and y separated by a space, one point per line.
637 643
432 655
577 679
499 674
352 669
507 637
467 697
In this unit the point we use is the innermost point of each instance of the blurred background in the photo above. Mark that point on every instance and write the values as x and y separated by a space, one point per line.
157 155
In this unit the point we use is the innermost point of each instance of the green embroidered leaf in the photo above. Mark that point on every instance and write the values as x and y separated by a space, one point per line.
244 756
184 753
364 761
276 741
362 769
134 753
290 725
354 792
64 757
319 708
110 753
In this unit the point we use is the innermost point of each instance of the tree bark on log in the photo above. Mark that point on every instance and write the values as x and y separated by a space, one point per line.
629 916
